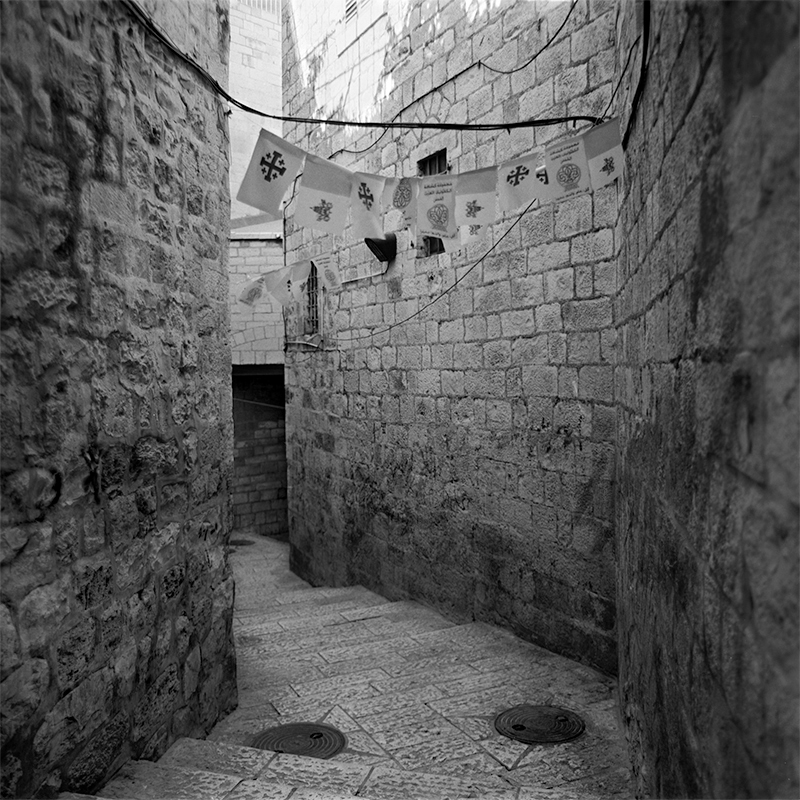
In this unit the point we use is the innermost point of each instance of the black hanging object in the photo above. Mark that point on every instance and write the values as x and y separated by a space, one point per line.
384 248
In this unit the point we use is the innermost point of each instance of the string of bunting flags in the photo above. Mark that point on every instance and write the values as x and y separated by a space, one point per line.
454 208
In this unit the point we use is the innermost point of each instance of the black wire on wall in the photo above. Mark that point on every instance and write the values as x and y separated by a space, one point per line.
212 82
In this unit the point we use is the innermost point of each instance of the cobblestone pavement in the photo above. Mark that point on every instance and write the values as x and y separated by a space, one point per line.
415 695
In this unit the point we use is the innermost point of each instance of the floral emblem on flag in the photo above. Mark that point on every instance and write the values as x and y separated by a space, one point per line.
473 208
366 196
402 194
474 230
569 175
272 165
323 211
517 175
438 216
608 165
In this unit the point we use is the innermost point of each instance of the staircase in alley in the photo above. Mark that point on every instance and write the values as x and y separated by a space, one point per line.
415 696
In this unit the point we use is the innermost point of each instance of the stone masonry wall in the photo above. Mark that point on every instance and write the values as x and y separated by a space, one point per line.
707 392
255 78
256 331
259 479
464 458
259 474
116 595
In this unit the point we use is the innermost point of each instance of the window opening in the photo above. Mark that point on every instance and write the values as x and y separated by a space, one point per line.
435 164
270 6
312 302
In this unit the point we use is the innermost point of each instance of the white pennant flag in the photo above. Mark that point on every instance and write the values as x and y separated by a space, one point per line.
272 169
400 203
436 207
298 275
252 291
278 284
604 153
567 169
475 197
517 184
366 205
323 196
328 271
472 233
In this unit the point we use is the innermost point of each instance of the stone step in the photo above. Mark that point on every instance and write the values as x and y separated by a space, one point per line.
306 600
195 773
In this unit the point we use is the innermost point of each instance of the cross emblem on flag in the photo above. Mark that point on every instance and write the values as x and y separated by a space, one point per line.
473 208
366 196
272 165
323 210
517 175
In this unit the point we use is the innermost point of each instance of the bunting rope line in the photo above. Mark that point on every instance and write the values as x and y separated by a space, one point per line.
148 24
452 286
478 63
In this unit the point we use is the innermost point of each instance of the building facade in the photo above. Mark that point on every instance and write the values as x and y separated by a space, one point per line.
117 598
590 434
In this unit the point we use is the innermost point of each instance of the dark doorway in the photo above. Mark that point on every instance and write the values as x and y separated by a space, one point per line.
259 432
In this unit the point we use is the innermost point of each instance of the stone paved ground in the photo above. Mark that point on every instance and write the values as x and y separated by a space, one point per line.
415 695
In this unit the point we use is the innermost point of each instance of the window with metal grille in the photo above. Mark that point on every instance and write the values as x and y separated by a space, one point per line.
435 164
270 6
350 9
311 325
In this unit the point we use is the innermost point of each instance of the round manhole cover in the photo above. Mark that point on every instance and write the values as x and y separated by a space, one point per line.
313 739
537 724
240 542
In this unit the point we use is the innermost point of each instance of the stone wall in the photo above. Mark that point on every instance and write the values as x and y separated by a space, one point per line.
116 400
465 457
707 402
255 79
259 474
256 331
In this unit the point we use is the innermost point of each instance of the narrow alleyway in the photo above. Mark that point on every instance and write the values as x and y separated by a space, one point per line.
415 695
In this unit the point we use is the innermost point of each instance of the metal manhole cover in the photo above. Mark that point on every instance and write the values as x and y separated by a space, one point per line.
240 542
537 724
313 739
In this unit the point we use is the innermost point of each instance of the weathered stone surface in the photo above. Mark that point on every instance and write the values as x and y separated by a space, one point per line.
75 651
41 611
173 782
156 704
104 299
22 694
74 717
455 478
707 256
86 773
9 643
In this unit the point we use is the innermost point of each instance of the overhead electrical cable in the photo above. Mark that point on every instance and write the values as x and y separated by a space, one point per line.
458 74
536 55
150 26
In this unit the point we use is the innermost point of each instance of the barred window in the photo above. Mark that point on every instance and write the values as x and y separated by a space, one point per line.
312 303
435 164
